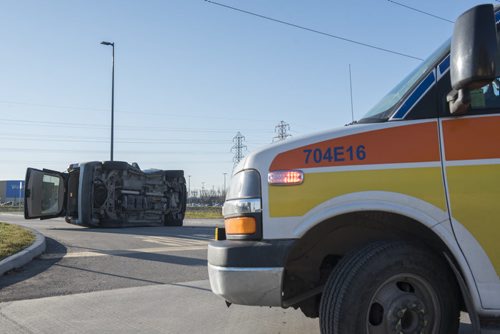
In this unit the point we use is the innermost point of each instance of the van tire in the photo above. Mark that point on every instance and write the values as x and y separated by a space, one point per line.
174 219
390 287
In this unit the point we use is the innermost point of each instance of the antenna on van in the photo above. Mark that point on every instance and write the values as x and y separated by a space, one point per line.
350 86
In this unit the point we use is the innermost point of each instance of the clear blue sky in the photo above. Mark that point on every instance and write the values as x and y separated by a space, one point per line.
190 74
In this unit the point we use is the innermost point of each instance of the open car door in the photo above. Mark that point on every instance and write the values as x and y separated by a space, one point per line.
45 194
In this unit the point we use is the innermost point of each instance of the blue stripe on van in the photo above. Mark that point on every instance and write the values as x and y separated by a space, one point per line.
445 64
415 96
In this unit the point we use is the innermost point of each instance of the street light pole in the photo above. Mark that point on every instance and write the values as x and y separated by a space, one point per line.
189 186
224 184
20 192
112 44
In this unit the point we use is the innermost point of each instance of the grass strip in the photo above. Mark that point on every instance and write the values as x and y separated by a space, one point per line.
14 238
11 209
204 213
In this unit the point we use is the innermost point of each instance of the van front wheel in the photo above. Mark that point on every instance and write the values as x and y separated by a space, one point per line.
390 287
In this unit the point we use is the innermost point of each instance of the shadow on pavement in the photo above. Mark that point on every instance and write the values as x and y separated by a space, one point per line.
200 233
190 287
109 274
163 258
36 266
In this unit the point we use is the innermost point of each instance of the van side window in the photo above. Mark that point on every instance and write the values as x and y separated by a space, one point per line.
485 100
486 97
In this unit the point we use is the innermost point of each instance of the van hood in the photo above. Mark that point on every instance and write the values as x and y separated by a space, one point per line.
337 147
262 158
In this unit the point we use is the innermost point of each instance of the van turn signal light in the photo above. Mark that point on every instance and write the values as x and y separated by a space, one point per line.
285 177
240 225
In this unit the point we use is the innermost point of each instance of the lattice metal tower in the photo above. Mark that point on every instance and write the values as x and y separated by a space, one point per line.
238 148
282 131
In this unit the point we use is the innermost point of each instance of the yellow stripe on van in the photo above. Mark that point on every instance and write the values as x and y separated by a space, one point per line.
423 183
475 202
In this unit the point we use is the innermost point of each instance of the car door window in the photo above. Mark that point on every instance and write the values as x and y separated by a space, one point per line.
50 195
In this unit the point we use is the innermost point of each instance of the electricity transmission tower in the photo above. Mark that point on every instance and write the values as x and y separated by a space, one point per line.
282 131
238 148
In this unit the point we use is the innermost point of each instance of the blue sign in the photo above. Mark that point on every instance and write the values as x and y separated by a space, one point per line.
14 189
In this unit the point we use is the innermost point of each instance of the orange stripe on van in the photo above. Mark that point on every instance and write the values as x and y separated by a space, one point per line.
472 138
402 144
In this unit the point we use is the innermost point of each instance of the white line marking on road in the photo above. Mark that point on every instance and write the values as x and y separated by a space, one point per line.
173 241
52 256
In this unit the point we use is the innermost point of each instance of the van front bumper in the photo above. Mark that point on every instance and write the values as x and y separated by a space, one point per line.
248 272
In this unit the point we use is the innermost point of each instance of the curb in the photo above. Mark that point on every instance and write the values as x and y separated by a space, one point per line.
26 255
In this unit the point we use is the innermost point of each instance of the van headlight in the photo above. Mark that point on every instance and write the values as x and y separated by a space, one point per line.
243 207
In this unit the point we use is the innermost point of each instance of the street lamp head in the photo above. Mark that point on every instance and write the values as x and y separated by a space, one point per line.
107 43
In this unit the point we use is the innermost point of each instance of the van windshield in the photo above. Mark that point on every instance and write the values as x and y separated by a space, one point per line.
384 109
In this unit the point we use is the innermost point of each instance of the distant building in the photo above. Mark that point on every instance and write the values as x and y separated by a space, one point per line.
12 191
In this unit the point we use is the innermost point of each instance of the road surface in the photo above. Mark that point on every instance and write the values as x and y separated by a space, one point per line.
132 280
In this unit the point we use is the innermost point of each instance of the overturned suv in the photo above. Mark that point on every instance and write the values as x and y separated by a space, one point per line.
108 194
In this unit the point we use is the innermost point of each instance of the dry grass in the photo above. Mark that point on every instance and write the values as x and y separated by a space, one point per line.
13 239
204 212
11 209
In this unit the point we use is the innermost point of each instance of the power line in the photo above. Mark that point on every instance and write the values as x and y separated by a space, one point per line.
124 127
65 151
421 11
183 115
282 130
149 162
314 30
238 148
44 137
51 106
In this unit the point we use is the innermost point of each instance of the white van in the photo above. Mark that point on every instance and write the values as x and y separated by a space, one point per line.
390 225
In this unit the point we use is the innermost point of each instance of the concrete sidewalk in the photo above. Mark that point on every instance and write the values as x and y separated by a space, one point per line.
188 307
173 308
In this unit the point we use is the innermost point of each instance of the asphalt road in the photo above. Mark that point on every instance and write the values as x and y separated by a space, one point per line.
80 259
132 280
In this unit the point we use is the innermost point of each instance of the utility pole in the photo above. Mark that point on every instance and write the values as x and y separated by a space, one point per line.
238 148
282 131
189 186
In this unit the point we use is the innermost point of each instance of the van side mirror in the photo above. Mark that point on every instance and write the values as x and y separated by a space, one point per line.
473 55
